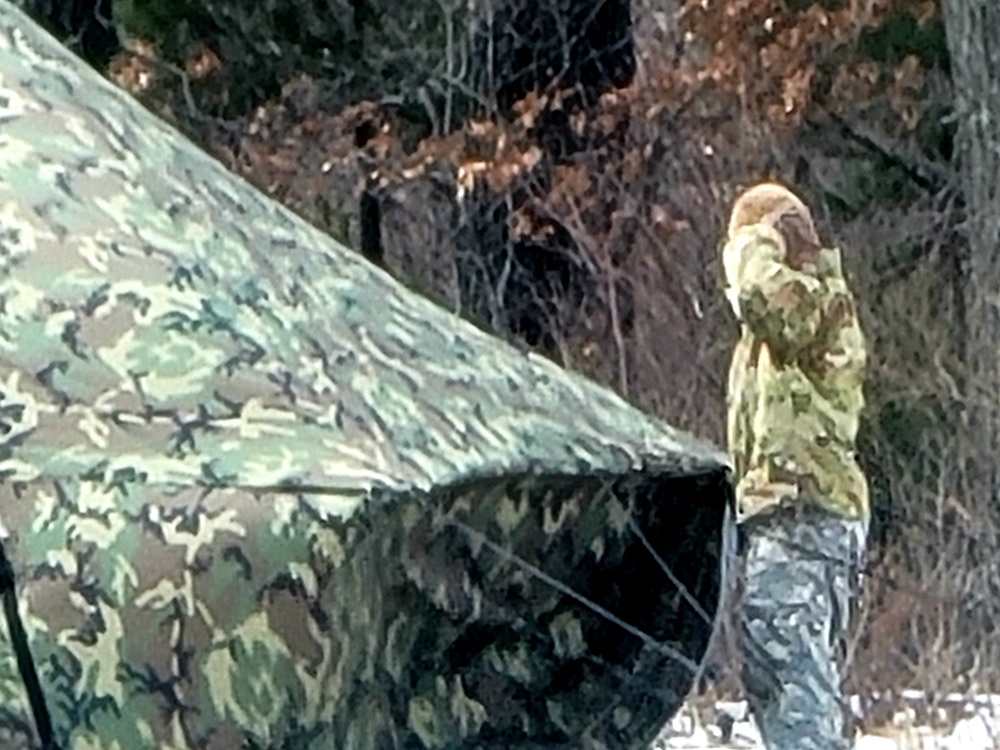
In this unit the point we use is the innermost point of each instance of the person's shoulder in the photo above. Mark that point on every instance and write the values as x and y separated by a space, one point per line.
829 262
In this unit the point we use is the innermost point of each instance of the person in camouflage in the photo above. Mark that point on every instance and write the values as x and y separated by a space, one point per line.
795 395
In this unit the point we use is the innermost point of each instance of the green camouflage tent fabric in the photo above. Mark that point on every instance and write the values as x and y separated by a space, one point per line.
258 495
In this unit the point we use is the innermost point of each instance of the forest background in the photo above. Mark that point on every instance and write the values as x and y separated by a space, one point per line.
559 171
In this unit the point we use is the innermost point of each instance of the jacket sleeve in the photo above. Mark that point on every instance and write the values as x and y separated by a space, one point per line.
779 304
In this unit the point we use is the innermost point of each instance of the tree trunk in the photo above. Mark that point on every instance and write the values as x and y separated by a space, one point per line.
973 29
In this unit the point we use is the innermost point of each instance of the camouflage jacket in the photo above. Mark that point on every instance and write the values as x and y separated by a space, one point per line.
795 385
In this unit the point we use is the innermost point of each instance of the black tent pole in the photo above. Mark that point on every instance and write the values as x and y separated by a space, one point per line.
25 664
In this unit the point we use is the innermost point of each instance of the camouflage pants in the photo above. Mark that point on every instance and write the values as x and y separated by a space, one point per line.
801 574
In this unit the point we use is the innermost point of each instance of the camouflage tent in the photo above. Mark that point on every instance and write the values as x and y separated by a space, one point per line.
258 495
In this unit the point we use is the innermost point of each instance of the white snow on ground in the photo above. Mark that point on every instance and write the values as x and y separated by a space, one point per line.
959 723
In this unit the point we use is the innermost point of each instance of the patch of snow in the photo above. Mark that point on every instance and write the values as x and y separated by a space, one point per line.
873 742
857 707
745 734
735 710
697 739
682 723
975 733
974 724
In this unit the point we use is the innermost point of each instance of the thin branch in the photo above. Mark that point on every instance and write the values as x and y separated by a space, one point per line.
930 183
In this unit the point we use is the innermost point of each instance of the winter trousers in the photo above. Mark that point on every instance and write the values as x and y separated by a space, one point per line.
802 569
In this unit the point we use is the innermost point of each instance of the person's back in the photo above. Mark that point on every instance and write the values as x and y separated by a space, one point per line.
795 396
795 385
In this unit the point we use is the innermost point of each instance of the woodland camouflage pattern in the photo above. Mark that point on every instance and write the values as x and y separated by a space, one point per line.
795 384
258 495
